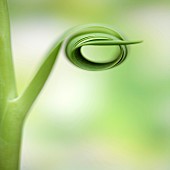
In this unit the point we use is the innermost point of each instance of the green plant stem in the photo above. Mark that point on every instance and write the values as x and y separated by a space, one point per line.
11 132
7 78
10 129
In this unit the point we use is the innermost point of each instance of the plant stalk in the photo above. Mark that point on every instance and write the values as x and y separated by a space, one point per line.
10 127
7 76
11 132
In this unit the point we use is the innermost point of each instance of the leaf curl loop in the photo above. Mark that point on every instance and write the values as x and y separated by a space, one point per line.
95 35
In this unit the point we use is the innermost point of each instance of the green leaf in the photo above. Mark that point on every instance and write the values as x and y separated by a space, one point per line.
98 36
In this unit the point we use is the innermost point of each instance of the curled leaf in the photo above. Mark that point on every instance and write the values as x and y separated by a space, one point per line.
96 35
75 40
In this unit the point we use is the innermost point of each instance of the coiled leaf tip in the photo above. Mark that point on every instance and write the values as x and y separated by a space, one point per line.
96 36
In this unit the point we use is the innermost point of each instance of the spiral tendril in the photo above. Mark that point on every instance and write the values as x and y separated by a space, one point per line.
95 35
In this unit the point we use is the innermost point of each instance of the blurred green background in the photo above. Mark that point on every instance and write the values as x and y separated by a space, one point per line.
117 119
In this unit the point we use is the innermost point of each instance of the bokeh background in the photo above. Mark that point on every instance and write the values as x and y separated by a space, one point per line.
117 119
